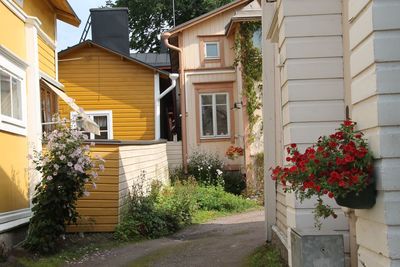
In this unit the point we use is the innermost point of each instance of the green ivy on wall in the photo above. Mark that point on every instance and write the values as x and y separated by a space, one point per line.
250 59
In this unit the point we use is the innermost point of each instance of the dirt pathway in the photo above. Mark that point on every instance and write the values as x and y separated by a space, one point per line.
225 241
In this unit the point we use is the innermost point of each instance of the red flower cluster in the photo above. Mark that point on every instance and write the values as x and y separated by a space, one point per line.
234 152
334 166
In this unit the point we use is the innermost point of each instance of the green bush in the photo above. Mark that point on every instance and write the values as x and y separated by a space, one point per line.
234 182
215 198
165 211
205 168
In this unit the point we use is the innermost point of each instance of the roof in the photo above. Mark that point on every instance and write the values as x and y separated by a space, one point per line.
65 12
251 12
153 59
208 15
90 42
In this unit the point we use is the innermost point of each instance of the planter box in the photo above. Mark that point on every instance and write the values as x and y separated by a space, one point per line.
362 200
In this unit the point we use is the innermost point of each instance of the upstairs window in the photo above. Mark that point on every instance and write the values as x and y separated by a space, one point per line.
211 50
214 115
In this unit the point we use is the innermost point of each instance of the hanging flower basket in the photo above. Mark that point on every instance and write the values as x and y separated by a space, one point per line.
338 166
365 199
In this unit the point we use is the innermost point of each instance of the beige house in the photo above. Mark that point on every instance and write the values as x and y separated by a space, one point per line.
323 59
202 50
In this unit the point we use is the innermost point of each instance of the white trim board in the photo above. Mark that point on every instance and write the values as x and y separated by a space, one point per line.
12 219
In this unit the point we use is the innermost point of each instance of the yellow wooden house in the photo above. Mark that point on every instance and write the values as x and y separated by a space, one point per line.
28 62
123 96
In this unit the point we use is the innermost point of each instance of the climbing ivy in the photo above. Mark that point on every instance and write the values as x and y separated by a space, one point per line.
250 59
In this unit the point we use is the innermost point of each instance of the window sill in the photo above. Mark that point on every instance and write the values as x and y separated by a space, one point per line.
215 139
14 128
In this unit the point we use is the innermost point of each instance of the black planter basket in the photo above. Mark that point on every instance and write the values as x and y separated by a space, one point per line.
362 200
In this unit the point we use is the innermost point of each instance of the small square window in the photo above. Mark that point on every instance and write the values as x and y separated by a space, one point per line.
211 50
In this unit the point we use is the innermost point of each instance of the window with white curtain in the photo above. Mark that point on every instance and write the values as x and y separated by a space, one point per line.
103 118
12 97
214 115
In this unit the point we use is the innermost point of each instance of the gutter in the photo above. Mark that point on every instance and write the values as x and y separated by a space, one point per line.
165 36
158 97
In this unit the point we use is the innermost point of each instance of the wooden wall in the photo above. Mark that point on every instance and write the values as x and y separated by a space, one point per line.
47 61
100 80
99 211
141 165
174 154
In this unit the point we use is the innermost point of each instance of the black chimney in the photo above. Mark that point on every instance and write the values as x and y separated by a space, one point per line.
110 28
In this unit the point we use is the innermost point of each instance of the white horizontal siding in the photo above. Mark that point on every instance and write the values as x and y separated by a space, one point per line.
375 69
174 154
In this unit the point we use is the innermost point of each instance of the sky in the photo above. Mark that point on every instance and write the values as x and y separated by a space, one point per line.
69 35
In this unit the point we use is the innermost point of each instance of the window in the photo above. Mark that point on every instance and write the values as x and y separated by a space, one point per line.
49 106
11 96
211 50
104 120
214 115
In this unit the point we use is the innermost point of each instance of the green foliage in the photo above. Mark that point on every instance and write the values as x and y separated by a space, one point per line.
66 167
205 168
215 198
165 211
157 214
149 18
250 59
234 182
265 256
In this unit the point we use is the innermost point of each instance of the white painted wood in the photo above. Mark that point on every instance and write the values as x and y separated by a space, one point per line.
311 7
306 47
312 68
318 25
315 89
174 154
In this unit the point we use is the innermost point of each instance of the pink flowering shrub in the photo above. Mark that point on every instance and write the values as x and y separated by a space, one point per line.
66 166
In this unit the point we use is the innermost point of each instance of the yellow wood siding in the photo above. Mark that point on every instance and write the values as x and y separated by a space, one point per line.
99 211
100 80
12 32
47 61
13 172
43 10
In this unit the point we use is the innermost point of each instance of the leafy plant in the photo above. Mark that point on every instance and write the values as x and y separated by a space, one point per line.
250 59
215 198
234 182
66 166
337 165
206 168
165 211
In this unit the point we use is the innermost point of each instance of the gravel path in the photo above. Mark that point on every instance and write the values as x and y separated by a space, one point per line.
225 241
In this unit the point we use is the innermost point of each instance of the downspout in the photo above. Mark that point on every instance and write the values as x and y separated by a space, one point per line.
165 36
158 97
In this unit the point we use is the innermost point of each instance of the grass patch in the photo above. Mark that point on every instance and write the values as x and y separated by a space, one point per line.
72 253
265 256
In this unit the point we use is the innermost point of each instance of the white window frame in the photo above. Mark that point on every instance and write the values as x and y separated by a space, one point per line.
7 123
214 109
205 50
94 113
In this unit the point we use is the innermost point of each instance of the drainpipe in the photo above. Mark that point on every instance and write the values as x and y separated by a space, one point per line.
158 97
165 36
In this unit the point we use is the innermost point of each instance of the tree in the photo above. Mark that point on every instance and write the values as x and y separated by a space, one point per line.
149 18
